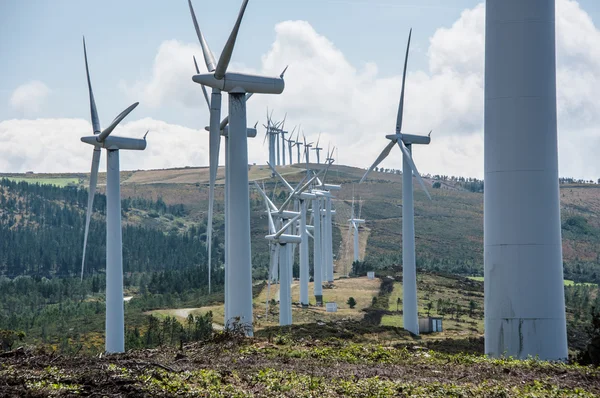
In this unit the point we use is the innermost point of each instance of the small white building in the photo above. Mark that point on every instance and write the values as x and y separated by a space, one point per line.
331 307
371 275
430 325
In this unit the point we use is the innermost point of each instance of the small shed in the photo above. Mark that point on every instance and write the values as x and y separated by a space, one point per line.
331 307
430 325
371 275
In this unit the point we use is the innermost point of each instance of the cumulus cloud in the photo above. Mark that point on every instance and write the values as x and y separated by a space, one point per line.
53 145
28 98
353 106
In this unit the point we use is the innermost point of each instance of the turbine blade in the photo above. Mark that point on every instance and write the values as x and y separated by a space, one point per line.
287 185
401 105
93 110
268 205
214 142
209 58
106 132
283 73
413 167
202 85
286 226
205 96
228 49
91 193
384 154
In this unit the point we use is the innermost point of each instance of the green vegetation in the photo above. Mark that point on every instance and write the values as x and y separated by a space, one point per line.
296 368
57 181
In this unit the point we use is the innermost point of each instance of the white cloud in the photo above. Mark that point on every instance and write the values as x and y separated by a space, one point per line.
28 98
53 145
354 107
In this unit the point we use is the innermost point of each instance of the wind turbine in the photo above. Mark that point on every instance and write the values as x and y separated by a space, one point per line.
404 142
282 132
324 190
223 131
317 149
307 149
115 315
291 144
282 254
298 143
239 267
302 198
354 222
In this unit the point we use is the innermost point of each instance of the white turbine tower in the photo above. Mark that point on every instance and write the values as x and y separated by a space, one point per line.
307 149
115 318
302 198
524 292
281 254
318 149
291 144
298 143
353 226
223 131
239 268
409 272
324 191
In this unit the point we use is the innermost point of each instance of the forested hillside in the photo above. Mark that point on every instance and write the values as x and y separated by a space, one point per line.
164 237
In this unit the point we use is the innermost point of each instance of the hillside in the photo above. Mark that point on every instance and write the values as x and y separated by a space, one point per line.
164 216
449 229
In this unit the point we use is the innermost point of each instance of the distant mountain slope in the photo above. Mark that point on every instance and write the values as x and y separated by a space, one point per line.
449 229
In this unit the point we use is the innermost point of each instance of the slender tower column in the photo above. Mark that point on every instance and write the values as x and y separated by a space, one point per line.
239 265
409 267
329 239
524 292
115 312
278 155
304 272
323 242
285 293
356 243
317 256
227 246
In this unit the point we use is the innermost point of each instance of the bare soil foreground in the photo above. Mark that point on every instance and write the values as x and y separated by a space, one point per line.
295 364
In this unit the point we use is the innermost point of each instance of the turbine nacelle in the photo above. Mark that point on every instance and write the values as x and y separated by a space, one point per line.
242 83
285 214
116 142
330 187
410 138
356 221
250 131
284 238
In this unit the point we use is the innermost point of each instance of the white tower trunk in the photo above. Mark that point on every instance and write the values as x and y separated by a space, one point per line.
304 272
239 274
329 239
355 242
324 242
285 291
409 267
115 312
271 149
317 256
278 156
227 246
524 292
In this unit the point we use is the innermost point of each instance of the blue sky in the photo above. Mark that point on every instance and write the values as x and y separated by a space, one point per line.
135 46
42 38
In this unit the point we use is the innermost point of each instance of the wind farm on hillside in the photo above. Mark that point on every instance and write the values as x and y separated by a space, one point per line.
299 275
